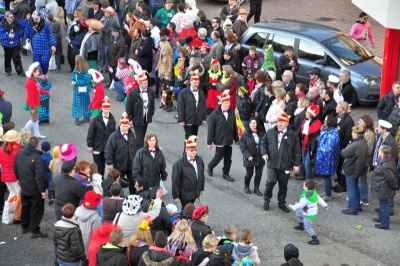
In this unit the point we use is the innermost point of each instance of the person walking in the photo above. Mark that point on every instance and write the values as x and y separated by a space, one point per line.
255 10
30 171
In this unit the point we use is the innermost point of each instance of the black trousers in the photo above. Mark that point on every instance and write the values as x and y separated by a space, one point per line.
140 133
249 175
3 188
129 176
276 176
32 212
71 58
184 202
101 162
340 177
14 55
255 10
224 152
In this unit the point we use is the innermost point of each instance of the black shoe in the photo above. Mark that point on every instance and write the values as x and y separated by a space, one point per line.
25 230
119 99
44 122
210 171
379 226
376 220
258 192
8 73
16 221
348 212
299 227
38 235
156 96
359 209
21 74
266 205
247 190
227 177
340 190
313 242
77 122
284 208
86 120
69 71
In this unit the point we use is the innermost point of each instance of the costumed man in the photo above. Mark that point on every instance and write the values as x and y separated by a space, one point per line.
140 108
188 175
121 150
131 82
211 79
280 148
98 92
222 131
100 129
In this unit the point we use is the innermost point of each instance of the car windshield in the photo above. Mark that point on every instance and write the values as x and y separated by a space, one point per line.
347 49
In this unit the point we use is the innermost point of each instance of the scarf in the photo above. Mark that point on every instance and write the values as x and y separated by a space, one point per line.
314 126
37 27
312 82
298 111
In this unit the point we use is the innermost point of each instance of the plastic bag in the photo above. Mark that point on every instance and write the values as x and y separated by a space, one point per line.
8 211
27 46
240 126
52 62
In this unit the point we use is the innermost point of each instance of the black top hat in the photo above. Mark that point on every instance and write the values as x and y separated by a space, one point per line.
96 2
315 70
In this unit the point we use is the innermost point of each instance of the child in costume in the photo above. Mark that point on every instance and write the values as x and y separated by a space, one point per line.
44 114
47 158
131 81
269 61
98 92
244 107
307 208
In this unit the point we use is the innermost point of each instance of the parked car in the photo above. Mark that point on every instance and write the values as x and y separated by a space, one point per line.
317 45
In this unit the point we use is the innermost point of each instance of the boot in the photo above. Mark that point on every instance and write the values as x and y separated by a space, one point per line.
266 205
29 125
247 190
314 241
77 122
257 190
300 227
36 132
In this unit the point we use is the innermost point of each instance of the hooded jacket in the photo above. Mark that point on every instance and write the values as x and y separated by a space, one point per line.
309 201
156 257
242 250
88 220
111 255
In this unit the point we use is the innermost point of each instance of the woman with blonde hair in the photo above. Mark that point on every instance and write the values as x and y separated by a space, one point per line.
59 17
139 242
181 241
165 56
228 82
276 108
245 248
81 87
202 256
24 135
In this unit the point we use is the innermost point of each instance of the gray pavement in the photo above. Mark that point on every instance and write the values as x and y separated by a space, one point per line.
340 242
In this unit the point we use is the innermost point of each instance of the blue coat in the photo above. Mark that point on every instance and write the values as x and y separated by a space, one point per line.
42 40
327 151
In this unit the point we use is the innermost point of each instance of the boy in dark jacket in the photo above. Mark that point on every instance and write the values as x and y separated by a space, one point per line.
46 156
244 107
168 89
157 253
112 253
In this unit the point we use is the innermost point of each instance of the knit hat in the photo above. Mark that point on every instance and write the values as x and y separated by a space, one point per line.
96 75
67 166
283 117
131 204
224 97
31 68
124 120
91 200
106 102
45 146
384 124
358 129
243 90
68 152
313 110
199 212
191 143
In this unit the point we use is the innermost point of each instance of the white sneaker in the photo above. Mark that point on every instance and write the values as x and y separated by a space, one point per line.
39 136
364 204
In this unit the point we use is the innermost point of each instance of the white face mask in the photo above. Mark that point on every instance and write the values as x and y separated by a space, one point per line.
76 28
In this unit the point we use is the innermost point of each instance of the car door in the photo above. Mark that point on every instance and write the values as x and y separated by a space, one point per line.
279 43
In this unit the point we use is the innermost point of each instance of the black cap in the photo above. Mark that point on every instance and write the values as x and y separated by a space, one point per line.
315 70
116 28
220 252
67 166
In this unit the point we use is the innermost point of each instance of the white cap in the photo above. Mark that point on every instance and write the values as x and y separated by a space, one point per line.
384 124
171 208
333 79
272 75
188 22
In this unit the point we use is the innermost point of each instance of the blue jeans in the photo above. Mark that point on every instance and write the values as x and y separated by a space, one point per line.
119 88
307 164
384 213
353 193
67 264
363 186
58 61
328 185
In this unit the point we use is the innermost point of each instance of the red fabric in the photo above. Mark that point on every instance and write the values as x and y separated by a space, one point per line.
315 125
251 85
130 80
33 92
191 32
99 236
7 163
232 93
98 97
212 94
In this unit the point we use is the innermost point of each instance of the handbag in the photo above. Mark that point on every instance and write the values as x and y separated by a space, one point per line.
27 46
52 62
82 89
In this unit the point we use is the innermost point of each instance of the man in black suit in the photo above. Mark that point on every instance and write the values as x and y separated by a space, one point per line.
288 83
140 109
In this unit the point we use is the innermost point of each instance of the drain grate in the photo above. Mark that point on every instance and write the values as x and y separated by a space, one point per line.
325 19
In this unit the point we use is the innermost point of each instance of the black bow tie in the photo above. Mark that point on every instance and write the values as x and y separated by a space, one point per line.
194 90
192 160
106 117
152 151
254 132
144 91
125 134
225 111
280 132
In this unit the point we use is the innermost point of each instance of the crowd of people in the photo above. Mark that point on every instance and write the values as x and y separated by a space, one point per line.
170 51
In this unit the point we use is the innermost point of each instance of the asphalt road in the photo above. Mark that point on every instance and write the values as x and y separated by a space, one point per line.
340 242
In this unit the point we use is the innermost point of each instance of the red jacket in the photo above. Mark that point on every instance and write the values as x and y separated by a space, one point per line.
98 97
191 32
7 163
33 92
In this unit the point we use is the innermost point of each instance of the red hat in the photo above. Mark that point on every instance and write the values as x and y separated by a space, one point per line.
283 117
199 212
224 97
191 143
96 75
195 76
83 23
214 62
91 200
1 92
106 102
124 120
142 77
196 44
313 110
206 45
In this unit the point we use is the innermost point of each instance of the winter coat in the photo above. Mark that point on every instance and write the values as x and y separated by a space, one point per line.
283 64
116 50
186 184
188 32
134 107
42 41
199 231
249 148
110 208
188 111
329 109
68 242
120 152
242 250
156 257
98 15
111 255
135 253
46 156
298 120
290 86
386 105
7 163
162 223
145 54
222 132
354 158
347 91
327 151
288 153
239 27
21 9
309 201
289 109
275 109
109 24
99 133
88 220
80 177
389 141
77 42
68 190
55 29
153 169
33 92
244 107
16 26
394 119
251 63
30 171
106 185
345 125
200 256
217 51
384 179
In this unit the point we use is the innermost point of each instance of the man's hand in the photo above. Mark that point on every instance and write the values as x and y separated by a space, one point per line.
296 168
209 146
110 167
160 193
265 157
201 192
176 201
250 158
73 83
44 195
182 124
53 49
256 114
90 149
204 123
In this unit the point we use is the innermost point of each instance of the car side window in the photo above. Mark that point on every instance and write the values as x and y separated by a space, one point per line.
258 39
280 42
310 51
331 62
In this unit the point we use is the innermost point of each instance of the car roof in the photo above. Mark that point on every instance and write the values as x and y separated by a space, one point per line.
315 31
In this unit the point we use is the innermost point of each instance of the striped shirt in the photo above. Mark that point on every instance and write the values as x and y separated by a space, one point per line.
123 75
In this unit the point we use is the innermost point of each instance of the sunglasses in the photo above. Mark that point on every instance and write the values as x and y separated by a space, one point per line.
228 25
10 16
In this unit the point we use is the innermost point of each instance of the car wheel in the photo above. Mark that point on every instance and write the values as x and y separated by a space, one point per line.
354 99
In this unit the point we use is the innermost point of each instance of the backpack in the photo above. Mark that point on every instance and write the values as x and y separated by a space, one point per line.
244 261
